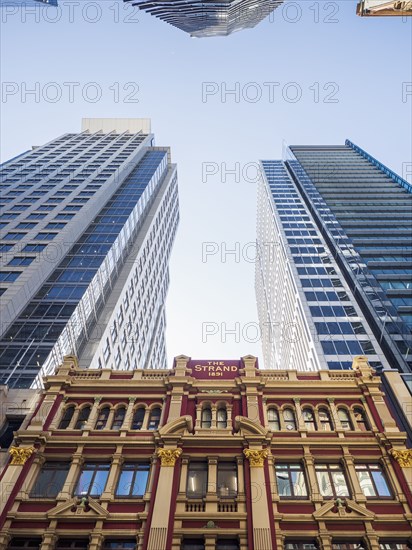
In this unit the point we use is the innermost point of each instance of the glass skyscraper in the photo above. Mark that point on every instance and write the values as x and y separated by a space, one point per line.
210 18
87 225
334 276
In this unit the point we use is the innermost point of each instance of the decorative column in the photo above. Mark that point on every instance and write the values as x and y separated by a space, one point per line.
335 417
161 507
116 464
19 457
262 539
93 415
96 540
404 458
68 488
348 458
129 414
183 476
299 418
310 468
49 541
212 488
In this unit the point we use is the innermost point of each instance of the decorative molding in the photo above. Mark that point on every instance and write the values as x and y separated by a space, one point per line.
20 455
168 457
256 457
343 509
402 457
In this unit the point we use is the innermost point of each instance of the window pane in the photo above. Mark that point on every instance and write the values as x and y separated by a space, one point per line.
339 482
380 484
140 482
325 486
50 480
197 479
138 419
227 479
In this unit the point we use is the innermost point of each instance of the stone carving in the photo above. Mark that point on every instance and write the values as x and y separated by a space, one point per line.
256 457
19 455
402 457
168 457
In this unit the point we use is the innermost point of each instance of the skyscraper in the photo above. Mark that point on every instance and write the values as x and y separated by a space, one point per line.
336 281
201 19
88 221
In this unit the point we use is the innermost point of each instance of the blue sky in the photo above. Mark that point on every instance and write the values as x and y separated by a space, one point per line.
295 63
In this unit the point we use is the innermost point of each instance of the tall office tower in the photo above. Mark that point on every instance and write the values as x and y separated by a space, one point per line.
88 221
334 274
210 18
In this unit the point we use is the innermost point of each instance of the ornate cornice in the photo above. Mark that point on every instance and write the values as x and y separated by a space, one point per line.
20 455
256 457
402 457
168 457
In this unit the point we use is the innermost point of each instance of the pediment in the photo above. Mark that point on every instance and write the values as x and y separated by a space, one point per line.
180 425
344 509
76 508
249 427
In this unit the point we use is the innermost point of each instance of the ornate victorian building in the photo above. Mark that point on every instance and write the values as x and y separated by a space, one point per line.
211 455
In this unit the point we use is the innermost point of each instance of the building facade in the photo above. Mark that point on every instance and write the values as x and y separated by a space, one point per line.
337 279
211 455
370 8
202 19
88 221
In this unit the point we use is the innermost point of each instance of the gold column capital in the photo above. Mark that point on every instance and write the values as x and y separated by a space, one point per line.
256 457
168 457
20 455
402 457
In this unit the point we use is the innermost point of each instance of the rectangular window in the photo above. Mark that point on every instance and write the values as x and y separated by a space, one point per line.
331 480
45 236
12 236
92 480
193 544
133 480
227 479
9 276
21 260
197 480
227 544
291 481
70 544
34 247
50 480
300 545
372 480
348 545
17 544
119 544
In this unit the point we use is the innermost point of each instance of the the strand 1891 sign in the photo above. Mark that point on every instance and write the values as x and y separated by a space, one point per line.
214 369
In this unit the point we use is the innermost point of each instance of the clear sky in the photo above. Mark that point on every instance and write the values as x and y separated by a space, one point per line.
312 73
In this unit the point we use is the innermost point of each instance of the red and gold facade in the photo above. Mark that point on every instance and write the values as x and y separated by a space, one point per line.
214 455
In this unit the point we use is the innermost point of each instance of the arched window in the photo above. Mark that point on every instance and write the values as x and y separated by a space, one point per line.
102 418
289 419
66 418
138 418
118 418
325 420
273 419
221 417
154 419
206 417
360 418
309 419
82 418
345 420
